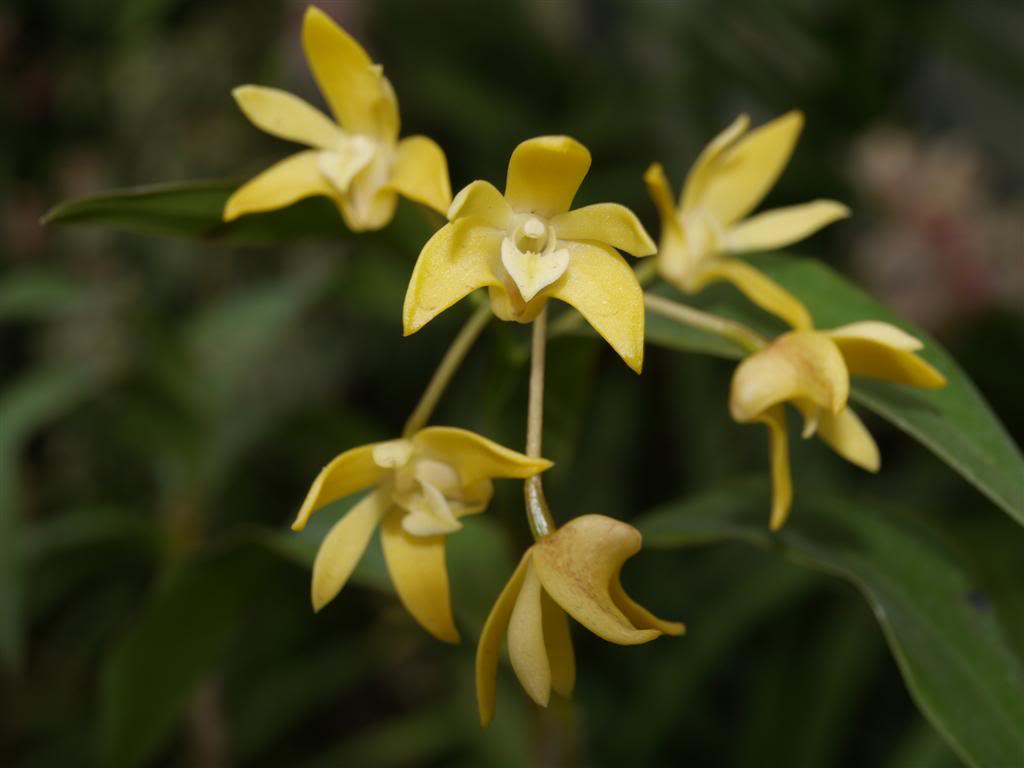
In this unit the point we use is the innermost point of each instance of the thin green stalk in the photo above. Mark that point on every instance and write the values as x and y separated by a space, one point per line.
449 364
746 337
541 523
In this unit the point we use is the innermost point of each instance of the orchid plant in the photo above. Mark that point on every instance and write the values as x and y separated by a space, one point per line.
525 247
510 252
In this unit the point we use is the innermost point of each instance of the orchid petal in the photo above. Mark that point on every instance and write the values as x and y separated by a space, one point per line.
783 226
782 481
481 200
420 173
284 183
704 167
418 571
532 272
674 263
639 616
475 457
342 548
367 207
883 351
558 645
576 565
507 303
846 434
489 648
429 512
757 287
526 647
742 175
342 164
606 223
351 471
544 174
358 93
457 260
286 116
602 286
798 365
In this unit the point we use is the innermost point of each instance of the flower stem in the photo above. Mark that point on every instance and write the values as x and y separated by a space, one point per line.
537 511
449 364
747 338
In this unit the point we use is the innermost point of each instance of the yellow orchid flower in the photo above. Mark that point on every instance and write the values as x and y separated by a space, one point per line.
711 222
358 161
424 484
573 571
526 246
811 370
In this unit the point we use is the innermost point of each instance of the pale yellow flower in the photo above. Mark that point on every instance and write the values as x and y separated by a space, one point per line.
811 370
424 485
572 572
526 246
711 221
358 161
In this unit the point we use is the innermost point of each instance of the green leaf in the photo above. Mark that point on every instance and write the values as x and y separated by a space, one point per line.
951 650
193 209
159 663
954 422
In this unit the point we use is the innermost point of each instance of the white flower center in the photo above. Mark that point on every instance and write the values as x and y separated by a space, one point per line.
530 256
705 236
341 164
427 490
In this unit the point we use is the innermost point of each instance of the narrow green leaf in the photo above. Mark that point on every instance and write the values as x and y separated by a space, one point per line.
193 209
955 422
951 650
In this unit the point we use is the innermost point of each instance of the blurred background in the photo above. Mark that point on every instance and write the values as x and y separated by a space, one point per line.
165 402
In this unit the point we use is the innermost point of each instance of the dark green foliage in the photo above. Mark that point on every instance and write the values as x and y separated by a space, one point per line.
166 401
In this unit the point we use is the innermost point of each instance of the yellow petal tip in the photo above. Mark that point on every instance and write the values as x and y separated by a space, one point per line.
231 209
448 636
239 91
796 116
671 628
313 12
654 173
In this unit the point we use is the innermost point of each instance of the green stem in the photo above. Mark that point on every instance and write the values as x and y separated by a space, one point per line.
747 338
449 364
541 523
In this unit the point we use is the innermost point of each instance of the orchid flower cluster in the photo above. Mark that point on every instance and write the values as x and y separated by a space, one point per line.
526 246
